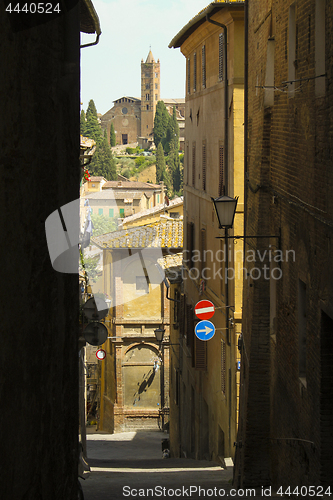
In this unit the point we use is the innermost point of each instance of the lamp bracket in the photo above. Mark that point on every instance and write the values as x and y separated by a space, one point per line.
246 237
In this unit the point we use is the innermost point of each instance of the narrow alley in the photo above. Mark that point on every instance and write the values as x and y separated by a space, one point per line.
123 464
130 464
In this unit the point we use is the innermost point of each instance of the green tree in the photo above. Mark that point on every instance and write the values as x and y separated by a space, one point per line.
93 129
91 109
162 174
83 123
90 267
173 150
103 225
103 163
112 136
160 162
161 121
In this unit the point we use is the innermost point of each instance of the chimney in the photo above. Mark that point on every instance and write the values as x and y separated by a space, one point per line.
119 183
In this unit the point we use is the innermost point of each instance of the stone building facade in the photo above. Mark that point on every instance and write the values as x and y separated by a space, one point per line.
150 94
133 118
286 415
135 372
213 165
126 118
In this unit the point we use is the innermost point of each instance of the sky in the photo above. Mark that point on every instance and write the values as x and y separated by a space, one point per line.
112 69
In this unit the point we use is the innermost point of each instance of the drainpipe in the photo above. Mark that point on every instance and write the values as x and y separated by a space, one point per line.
226 158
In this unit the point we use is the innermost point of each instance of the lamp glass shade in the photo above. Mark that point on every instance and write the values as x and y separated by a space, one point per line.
225 208
159 334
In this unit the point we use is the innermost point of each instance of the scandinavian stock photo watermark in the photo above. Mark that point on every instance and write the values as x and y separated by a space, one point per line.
232 264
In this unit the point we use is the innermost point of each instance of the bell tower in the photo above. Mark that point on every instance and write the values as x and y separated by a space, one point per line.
150 94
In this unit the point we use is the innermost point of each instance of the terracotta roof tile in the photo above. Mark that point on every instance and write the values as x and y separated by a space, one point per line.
161 234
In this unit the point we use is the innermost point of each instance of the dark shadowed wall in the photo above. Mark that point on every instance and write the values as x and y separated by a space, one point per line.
39 165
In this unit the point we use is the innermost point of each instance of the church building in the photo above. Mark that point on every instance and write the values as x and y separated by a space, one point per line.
133 118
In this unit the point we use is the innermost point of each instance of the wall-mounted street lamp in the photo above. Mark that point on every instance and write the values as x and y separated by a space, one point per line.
159 334
225 209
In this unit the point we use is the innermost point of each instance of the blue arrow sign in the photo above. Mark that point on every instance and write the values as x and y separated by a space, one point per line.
204 330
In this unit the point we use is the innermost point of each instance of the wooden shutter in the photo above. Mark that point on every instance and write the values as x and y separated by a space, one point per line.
190 330
223 366
204 163
188 76
203 60
182 315
190 245
193 164
200 354
195 71
221 56
203 248
221 171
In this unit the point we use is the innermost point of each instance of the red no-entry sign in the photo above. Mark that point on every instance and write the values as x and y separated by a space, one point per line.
100 354
204 309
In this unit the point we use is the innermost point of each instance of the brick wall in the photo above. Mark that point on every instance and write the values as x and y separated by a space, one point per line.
286 418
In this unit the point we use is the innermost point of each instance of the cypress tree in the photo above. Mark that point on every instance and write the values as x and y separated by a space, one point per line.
91 109
158 125
103 163
161 122
162 173
112 136
93 129
160 162
83 123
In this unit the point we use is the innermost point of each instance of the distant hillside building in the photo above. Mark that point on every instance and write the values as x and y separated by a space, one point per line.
133 118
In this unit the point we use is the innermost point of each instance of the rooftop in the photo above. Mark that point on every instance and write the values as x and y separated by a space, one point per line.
130 185
96 179
200 18
110 194
154 210
160 234
172 265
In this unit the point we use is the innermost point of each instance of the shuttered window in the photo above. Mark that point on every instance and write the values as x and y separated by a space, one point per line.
195 71
186 173
200 354
203 61
203 249
190 330
204 162
221 171
182 305
223 367
188 76
221 56
190 245
193 164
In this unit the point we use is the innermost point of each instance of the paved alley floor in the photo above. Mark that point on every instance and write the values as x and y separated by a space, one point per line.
130 464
